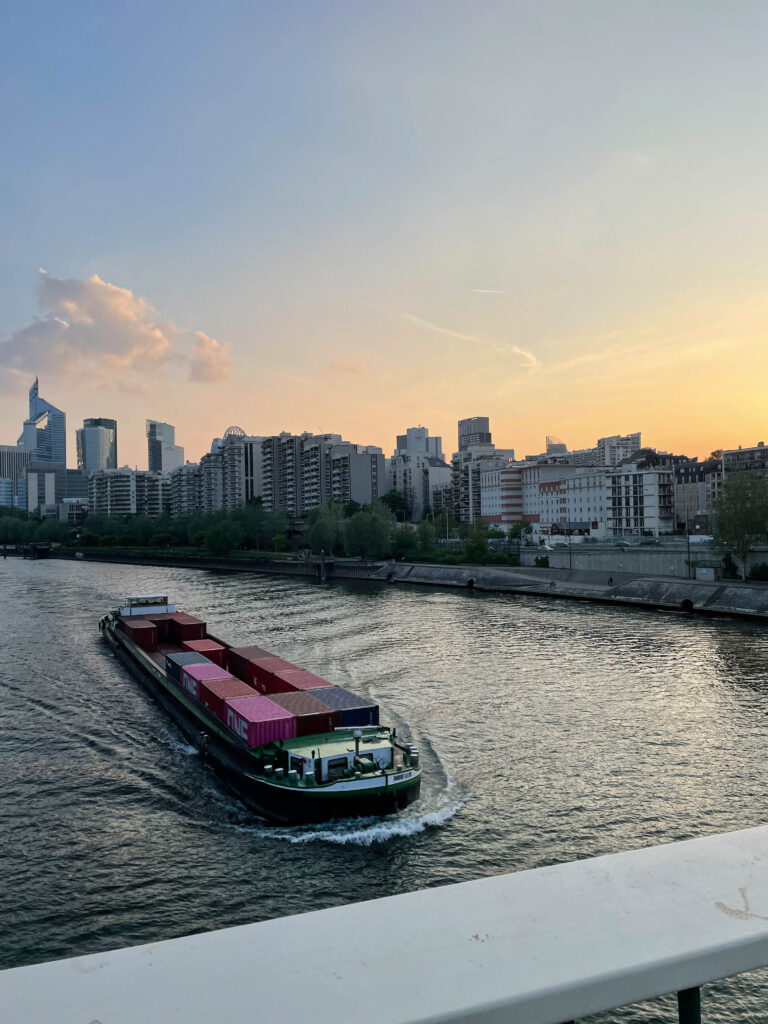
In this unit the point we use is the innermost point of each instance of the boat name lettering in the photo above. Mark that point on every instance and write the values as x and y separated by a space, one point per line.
401 776
237 724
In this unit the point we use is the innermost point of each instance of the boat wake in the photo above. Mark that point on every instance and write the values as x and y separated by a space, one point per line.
367 831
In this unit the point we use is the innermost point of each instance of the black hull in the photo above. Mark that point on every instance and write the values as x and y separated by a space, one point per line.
278 804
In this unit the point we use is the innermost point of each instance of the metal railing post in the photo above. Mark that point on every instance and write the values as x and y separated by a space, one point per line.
689 1006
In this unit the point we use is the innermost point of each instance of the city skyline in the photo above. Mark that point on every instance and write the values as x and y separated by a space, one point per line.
555 218
450 437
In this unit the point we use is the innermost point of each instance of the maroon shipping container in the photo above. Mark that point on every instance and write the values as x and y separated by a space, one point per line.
186 627
214 692
142 632
216 653
242 661
310 713
190 676
258 720
162 622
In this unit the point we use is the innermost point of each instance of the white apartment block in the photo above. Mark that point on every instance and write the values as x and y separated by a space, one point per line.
423 479
358 473
468 467
490 496
641 500
564 498
185 490
119 492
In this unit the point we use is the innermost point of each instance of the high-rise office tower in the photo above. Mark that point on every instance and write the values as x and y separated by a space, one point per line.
163 454
97 445
473 431
44 434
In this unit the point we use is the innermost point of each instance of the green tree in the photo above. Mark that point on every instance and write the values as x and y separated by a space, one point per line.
162 540
223 537
369 532
350 507
406 542
476 545
397 504
741 513
426 533
279 543
89 539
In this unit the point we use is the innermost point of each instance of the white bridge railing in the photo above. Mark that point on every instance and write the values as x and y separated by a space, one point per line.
537 947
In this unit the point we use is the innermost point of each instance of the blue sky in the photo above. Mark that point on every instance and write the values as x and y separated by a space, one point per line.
312 183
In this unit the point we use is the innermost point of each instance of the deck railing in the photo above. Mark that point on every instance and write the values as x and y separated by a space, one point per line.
543 946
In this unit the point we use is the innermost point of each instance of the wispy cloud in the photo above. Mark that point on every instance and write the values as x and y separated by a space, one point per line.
489 291
107 336
503 349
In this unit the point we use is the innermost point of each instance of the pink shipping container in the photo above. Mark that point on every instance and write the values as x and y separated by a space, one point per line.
214 692
258 720
191 676
213 651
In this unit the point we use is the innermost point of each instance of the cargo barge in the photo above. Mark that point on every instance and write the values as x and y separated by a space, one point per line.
294 747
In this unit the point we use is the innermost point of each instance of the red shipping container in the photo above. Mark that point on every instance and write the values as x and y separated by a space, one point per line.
142 632
258 720
299 679
214 692
310 713
240 659
190 676
216 653
186 627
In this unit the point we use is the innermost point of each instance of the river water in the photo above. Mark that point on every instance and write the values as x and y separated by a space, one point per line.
549 731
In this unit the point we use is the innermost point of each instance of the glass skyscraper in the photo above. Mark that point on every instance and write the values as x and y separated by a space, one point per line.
44 434
97 444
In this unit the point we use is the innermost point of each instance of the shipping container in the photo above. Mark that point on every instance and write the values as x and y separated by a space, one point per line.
299 679
240 658
162 621
174 662
353 710
214 692
191 676
186 627
310 713
142 632
258 720
216 653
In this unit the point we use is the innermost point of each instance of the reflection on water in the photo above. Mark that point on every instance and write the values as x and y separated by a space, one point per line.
549 731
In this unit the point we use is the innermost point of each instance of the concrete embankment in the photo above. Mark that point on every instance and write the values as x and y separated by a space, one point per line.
728 598
744 600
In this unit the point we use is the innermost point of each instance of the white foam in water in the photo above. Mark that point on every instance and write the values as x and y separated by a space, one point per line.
367 831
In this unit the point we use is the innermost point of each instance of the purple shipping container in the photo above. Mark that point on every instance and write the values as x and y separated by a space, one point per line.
258 720
193 675
353 710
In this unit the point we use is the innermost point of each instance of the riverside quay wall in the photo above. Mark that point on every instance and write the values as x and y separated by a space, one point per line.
732 598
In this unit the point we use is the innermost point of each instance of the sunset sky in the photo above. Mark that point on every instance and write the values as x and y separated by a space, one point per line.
359 217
